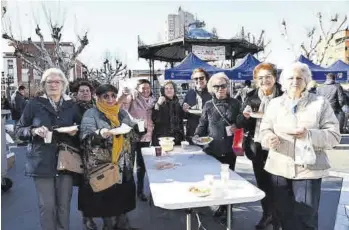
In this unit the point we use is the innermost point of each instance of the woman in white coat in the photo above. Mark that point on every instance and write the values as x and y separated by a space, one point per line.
297 128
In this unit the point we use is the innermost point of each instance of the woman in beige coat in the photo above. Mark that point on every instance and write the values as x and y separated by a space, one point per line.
297 128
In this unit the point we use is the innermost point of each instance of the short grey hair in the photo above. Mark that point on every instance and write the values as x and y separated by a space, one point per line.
289 71
54 71
217 77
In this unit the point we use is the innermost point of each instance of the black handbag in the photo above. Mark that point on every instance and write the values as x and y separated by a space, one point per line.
249 146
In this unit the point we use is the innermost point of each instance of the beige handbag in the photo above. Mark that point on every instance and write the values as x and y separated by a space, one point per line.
69 159
104 177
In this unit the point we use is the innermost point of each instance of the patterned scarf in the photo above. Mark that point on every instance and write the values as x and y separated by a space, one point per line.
111 113
55 106
262 108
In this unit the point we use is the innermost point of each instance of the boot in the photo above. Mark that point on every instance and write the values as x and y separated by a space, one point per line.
89 223
108 223
123 223
264 222
142 196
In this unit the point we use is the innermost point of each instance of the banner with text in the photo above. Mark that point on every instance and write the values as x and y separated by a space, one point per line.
209 53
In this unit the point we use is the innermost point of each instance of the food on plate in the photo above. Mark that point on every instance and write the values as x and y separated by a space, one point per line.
204 139
200 191
164 165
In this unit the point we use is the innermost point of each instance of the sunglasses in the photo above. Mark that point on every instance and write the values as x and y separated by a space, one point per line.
107 96
198 78
217 87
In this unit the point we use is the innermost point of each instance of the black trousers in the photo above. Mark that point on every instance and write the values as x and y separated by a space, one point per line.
140 165
263 179
297 202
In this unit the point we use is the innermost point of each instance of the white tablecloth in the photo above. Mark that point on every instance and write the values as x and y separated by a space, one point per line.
170 187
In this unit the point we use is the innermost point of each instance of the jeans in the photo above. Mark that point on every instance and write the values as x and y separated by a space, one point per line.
341 119
297 202
54 196
140 165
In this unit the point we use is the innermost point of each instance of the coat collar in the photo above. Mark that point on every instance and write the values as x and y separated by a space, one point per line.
67 102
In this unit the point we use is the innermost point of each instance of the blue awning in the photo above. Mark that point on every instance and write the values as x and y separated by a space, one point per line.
244 70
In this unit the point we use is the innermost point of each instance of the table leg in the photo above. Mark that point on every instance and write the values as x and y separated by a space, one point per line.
189 211
229 217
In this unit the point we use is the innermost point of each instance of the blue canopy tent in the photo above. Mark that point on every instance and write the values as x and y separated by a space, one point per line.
340 66
184 70
244 70
319 73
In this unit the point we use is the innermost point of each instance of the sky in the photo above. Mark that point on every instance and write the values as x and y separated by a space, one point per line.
113 26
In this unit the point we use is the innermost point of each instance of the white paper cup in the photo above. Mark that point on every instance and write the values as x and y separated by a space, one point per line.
141 124
48 137
225 177
224 167
209 179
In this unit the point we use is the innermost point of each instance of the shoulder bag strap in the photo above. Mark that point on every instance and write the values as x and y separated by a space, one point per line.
226 121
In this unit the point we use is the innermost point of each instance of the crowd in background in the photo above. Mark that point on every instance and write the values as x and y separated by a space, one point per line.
264 110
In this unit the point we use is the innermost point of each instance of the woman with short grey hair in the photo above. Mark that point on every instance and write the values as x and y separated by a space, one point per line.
297 128
40 118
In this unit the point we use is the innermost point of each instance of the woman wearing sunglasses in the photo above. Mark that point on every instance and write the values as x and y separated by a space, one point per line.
196 99
218 120
113 203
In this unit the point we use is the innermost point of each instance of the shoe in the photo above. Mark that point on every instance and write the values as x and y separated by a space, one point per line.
122 223
265 221
89 223
142 197
221 211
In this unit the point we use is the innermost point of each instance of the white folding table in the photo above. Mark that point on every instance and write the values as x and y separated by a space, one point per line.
170 187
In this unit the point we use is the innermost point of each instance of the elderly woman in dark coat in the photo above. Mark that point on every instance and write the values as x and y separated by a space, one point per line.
265 75
168 115
113 203
40 116
218 116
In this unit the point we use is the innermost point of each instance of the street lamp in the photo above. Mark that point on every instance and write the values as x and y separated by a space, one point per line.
7 80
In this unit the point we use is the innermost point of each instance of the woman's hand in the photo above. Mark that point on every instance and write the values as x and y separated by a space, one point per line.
302 133
73 133
274 142
233 128
247 112
105 133
186 107
161 100
41 131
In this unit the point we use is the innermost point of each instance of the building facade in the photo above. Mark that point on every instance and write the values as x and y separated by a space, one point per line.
177 24
24 74
338 48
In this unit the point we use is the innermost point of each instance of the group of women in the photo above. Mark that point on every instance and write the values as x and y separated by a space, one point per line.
292 189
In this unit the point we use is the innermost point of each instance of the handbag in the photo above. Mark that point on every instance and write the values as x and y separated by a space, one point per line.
249 146
69 159
237 142
104 177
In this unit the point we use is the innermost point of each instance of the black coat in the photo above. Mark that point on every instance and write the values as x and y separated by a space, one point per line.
190 99
42 159
333 92
168 121
18 106
254 101
213 125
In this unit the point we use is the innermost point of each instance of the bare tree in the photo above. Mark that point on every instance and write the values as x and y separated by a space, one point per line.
214 32
109 73
318 39
258 41
42 57
3 8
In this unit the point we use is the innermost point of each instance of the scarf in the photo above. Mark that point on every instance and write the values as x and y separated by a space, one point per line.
55 106
111 113
144 103
174 113
85 105
262 108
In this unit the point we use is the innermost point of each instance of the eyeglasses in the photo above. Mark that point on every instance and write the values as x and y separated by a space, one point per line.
107 96
266 77
54 82
199 78
217 87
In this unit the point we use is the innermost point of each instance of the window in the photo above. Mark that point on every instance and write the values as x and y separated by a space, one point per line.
10 64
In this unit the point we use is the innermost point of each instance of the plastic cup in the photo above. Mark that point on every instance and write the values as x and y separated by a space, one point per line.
141 125
158 151
209 179
224 167
48 137
225 177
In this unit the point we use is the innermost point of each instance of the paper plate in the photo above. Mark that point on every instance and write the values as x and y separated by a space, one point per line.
123 129
67 129
256 115
202 140
195 111
200 191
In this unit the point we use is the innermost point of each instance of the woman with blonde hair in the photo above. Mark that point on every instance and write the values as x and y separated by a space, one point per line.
218 120
298 128
39 119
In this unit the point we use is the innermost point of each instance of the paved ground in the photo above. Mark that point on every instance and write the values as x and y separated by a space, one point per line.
20 212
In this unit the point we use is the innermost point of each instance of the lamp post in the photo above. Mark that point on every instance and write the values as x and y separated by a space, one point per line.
7 80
